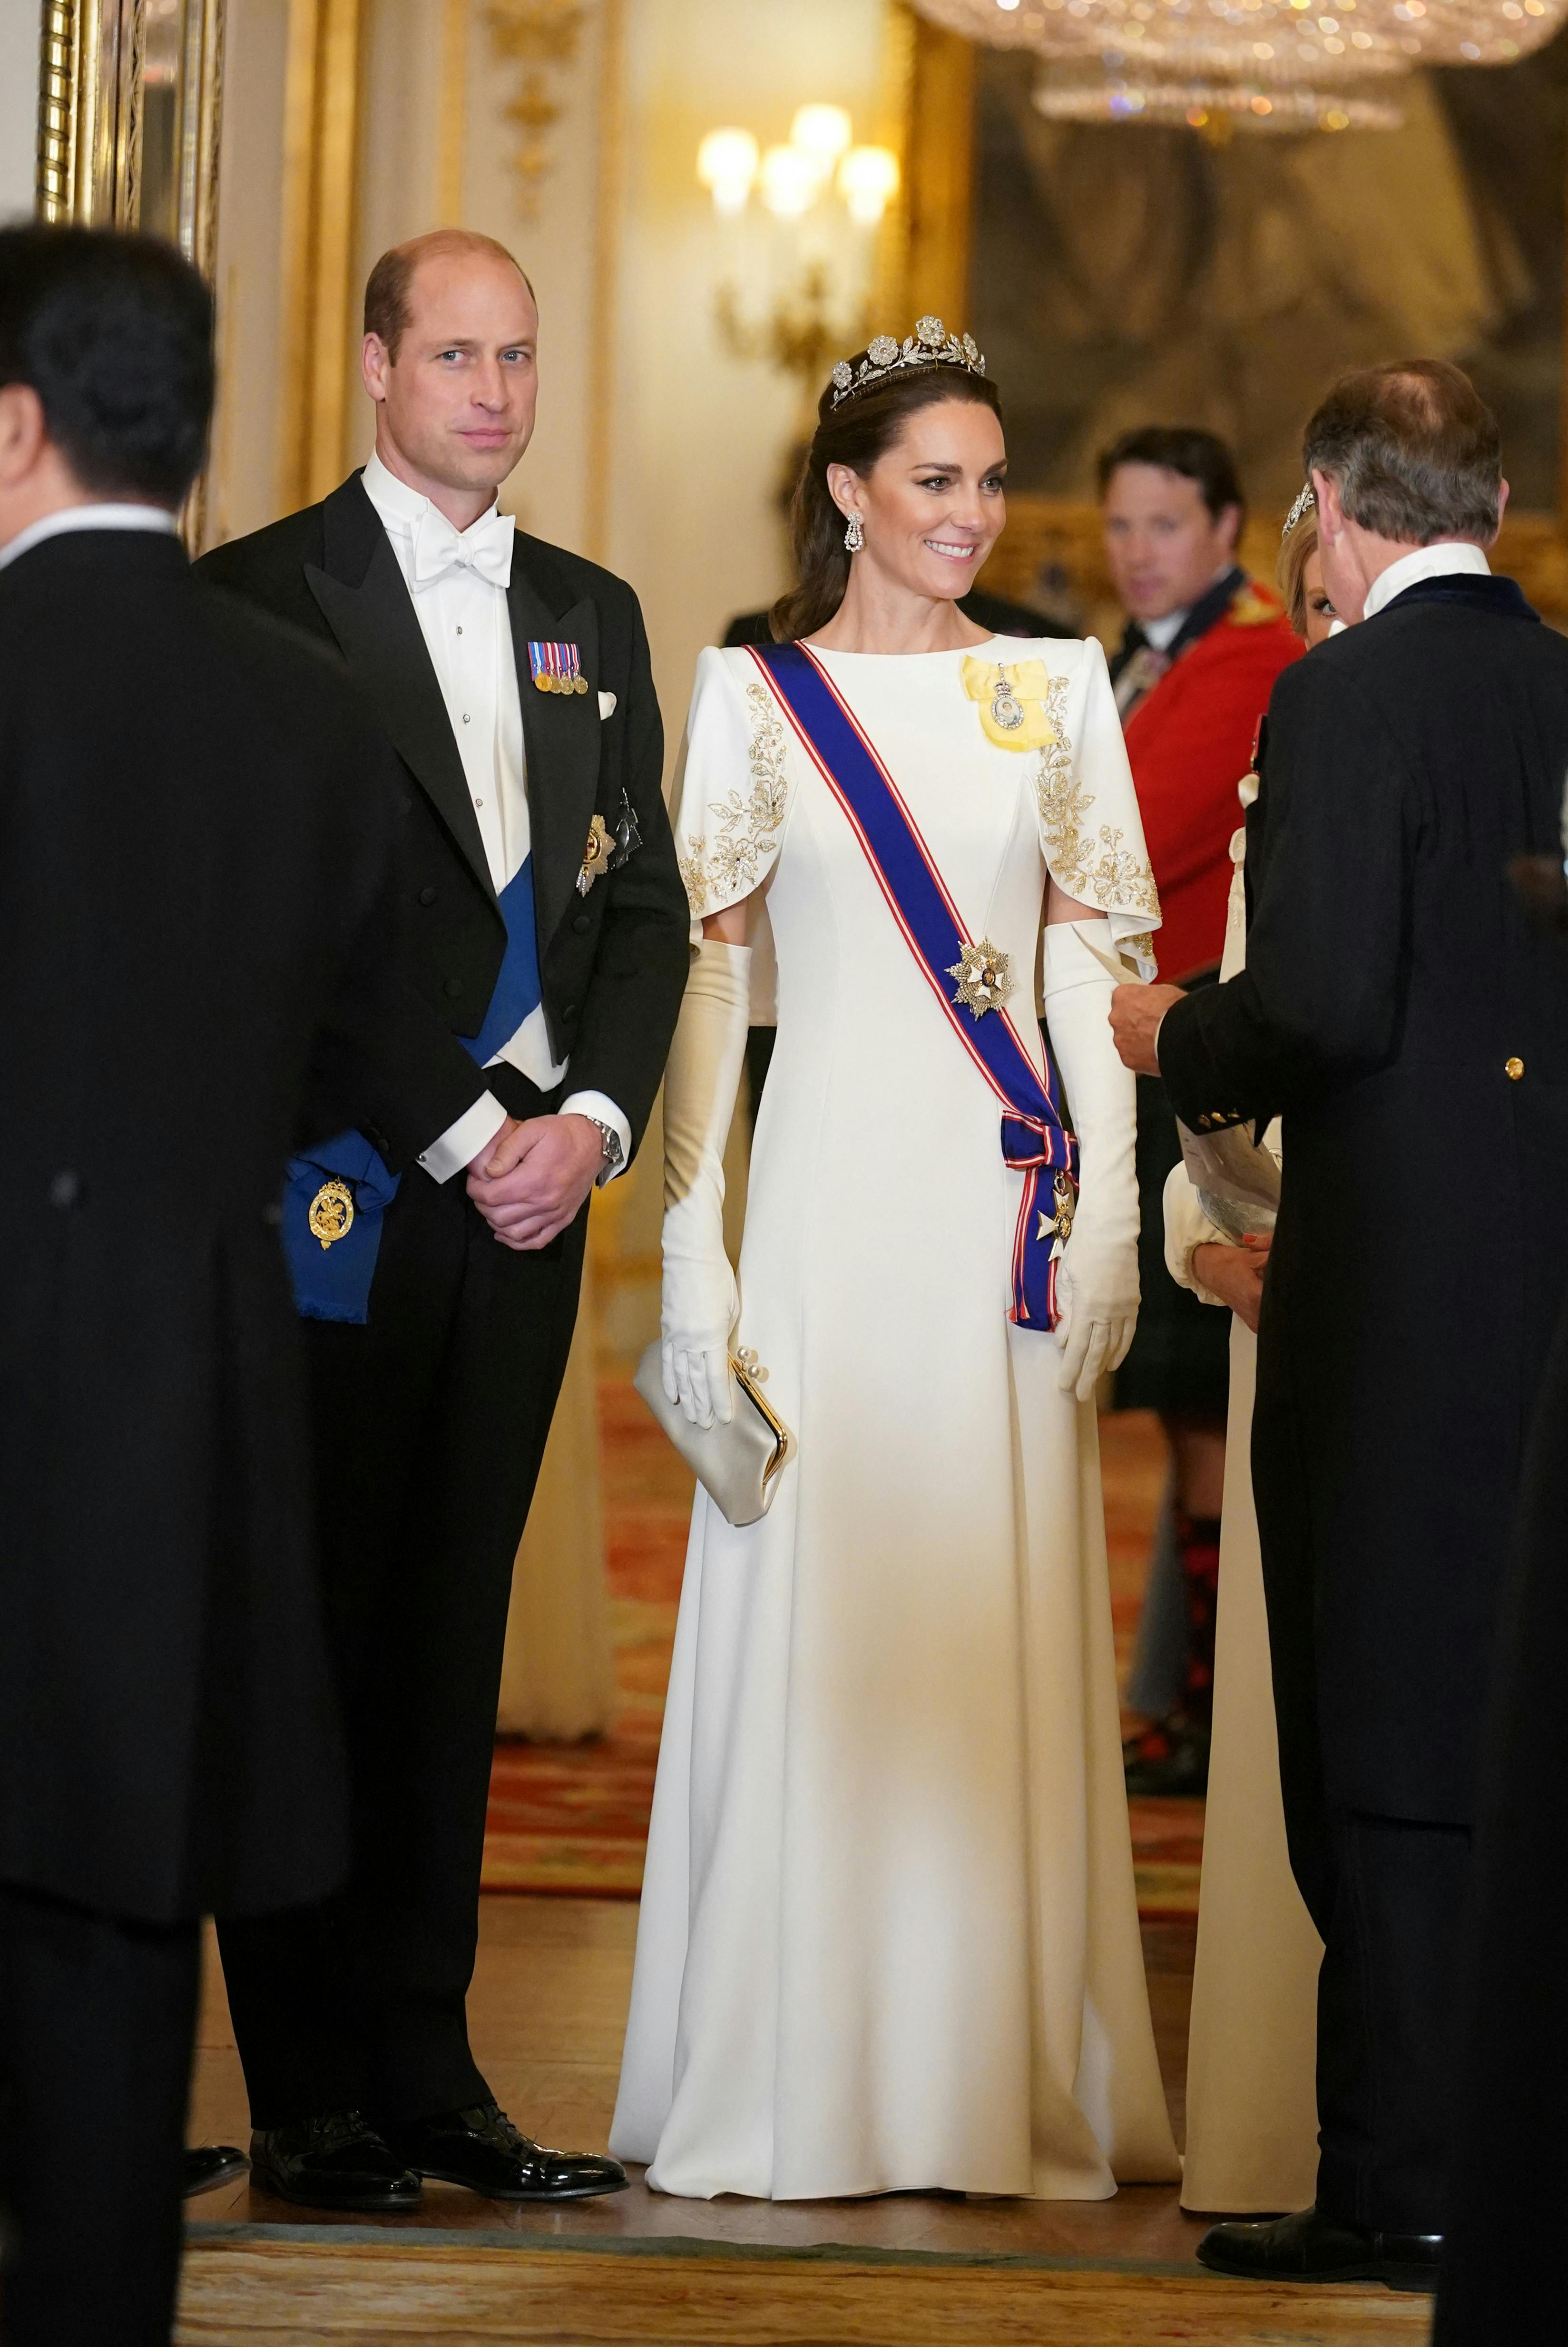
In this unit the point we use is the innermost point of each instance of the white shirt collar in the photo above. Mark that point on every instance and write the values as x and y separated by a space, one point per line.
1423 562
1162 633
108 516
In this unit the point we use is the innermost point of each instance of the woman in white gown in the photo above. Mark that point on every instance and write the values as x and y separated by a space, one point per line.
888 1938
1251 2094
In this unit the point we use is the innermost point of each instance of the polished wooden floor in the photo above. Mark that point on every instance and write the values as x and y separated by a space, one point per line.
546 2012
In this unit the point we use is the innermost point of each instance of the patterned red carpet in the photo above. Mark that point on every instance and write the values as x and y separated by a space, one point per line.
574 1818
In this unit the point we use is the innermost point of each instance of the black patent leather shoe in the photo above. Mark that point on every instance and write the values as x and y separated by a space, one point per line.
481 2149
1312 2246
209 2165
336 2161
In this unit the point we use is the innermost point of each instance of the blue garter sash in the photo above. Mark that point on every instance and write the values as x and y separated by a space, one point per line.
1034 1141
333 1282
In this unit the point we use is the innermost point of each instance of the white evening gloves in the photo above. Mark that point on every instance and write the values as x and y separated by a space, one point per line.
699 1300
1097 1277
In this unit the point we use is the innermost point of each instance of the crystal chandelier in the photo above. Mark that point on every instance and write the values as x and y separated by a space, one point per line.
1104 94
1268 42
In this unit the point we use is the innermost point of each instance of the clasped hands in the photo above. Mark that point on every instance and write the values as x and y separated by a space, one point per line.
531 1180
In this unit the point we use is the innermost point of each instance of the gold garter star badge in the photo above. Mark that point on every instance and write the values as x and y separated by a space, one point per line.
330 1215
984 976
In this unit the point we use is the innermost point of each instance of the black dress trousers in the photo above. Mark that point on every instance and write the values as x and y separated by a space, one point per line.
1502 2282
428 1424
97 2021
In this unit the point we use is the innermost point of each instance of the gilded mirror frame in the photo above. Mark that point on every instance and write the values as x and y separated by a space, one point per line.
1059 535
109 71
97 60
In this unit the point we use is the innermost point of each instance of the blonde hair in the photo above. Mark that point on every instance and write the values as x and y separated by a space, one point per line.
1296 548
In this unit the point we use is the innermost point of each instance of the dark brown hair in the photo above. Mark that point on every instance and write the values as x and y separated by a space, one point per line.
387 309
856 434
1199 457
1413 449
114 333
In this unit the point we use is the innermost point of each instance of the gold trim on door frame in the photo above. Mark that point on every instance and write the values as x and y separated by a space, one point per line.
320 153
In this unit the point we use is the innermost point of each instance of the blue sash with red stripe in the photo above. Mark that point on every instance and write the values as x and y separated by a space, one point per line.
1034 1141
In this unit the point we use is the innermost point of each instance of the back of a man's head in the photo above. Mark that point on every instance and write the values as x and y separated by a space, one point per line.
1414 451
114 335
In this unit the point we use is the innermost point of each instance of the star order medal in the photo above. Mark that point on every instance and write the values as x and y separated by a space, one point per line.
330 1216
596 855
984 976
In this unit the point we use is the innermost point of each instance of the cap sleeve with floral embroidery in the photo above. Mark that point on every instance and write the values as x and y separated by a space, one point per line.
1091 831
732 787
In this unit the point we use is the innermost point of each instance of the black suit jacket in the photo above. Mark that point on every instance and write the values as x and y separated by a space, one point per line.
1408 1019
197 917
613 964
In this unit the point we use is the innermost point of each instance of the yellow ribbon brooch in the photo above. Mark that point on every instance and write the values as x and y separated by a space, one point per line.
1012 702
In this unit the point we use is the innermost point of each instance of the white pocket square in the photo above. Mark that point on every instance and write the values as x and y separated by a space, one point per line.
606 706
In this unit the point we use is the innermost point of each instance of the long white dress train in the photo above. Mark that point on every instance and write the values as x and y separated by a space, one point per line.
889 1938
1252 2044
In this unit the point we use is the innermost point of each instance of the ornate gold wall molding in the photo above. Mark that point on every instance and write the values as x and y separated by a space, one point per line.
937 202
320 153
541 37
610 196
88 108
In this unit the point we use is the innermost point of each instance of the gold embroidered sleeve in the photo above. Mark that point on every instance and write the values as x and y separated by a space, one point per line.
1090 860
740 834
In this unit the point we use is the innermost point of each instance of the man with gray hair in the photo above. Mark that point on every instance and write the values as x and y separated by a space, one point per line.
1398 1010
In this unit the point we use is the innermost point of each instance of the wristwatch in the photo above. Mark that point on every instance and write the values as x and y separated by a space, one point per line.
614 1155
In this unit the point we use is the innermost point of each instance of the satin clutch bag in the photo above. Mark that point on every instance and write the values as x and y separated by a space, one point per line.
738 1465
1237 1179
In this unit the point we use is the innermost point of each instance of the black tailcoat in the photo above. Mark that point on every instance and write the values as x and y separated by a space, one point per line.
435 1413
1401 1013
195 838
613 964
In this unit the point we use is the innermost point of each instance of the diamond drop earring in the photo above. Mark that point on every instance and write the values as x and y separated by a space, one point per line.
855 533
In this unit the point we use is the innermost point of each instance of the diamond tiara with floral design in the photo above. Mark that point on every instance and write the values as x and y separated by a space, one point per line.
930 344
1304 504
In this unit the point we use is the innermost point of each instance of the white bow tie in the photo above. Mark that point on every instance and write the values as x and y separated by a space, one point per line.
484 549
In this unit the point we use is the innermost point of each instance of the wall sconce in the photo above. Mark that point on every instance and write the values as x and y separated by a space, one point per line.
791 178
806 261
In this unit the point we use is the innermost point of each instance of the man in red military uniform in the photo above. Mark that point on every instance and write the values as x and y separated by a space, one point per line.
1203 647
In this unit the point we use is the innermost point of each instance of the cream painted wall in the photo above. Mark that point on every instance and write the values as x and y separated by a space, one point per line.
406 65
244 491
699 436
19 21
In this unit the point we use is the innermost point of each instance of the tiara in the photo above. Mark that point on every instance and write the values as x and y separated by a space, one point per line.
930 344
1304 504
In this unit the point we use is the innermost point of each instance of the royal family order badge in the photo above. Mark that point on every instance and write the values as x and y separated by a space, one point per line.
1012 701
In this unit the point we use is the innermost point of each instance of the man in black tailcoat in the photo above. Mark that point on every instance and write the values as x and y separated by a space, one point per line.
1501 2283
1397 1007
545 920
196 832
